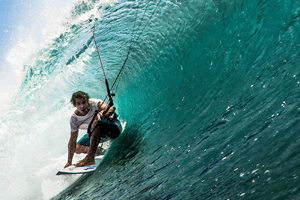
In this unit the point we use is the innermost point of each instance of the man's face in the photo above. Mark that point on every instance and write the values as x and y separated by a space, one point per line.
82 105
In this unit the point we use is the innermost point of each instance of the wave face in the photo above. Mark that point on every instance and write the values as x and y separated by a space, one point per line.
209 94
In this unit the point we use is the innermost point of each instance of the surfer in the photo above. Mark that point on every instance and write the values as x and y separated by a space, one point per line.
107 129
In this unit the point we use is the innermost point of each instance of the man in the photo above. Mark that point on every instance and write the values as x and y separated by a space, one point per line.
105 129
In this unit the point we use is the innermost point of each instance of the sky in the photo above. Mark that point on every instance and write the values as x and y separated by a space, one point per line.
6 17
16 22
30 22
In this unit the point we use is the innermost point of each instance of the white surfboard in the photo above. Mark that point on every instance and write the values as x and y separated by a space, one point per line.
81 170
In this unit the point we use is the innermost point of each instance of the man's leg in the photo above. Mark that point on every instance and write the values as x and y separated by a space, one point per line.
83 144
81 149
95 139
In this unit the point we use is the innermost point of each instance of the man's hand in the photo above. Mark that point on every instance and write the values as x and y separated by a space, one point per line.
110 111
100 116
67 165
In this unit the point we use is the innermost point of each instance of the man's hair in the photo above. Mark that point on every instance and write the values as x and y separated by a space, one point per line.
79 95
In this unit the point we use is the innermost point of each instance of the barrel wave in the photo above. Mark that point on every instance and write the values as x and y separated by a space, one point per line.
209 98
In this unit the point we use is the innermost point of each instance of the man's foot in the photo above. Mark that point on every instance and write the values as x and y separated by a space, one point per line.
86 161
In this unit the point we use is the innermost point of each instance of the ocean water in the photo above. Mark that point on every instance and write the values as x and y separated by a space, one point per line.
209 94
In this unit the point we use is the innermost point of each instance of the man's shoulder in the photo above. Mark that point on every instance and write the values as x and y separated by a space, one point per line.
94 100
73 118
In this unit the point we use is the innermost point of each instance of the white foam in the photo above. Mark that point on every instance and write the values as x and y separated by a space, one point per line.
34 137
36 24
27 145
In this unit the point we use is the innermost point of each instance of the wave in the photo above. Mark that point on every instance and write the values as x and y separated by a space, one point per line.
209 95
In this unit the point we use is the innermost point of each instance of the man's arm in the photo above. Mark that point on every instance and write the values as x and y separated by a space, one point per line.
71 147
102 105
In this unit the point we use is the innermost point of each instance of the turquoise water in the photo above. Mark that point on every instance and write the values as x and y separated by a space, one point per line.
209 95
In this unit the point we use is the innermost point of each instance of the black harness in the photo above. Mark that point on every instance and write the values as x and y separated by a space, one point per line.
109 119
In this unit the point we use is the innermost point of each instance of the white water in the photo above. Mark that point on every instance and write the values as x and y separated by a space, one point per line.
33 145
35 24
